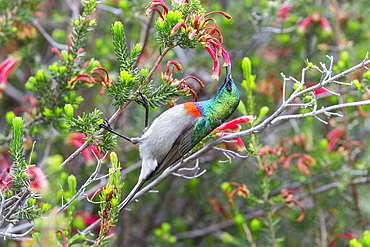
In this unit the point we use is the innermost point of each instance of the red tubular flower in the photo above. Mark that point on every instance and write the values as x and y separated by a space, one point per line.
160 3
238 142
2 175
304 162
325 25
303 26
77 140
288 196
225 56
241 190
39 182
181 2
234 124
283 12
333 137
5 68
156 9
177 26
219 12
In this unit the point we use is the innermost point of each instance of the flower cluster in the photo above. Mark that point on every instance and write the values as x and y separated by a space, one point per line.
195 28
287 195
304 162
5 68
234 126
182 85
314 18
266 152
241 190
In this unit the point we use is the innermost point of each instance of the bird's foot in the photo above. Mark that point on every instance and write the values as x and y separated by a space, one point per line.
143 101
106 125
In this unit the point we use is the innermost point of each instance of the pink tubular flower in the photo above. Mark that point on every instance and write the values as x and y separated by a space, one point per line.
234 125
333 137
177 26
5 68
283 12
39 182
77 140
325 25
303 26
154 3
238 142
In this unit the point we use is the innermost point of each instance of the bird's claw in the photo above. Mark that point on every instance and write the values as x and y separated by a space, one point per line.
143 101
105 125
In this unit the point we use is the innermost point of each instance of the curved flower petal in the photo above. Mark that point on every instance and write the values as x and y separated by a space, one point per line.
176 27
156 9
232 125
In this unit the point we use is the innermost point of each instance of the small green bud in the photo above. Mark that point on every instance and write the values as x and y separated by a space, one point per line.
166 227
92 23
137 48
172 239
242 109
68 109
123 5
72 184
356 83
48 113
79 100
323 144
341 64
58 112
17 122
29 86
76 22
295 86
255 226
9 117
117 28
354 243
239 220
40 77
367 75
45 208
31 201
62 70
224 186
54 68
158 232
114 160
264 110
247 68
64 55
344 55
251 147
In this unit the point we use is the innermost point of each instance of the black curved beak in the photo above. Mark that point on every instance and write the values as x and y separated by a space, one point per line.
228 73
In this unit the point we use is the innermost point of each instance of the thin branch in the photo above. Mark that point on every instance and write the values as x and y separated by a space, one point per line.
48 38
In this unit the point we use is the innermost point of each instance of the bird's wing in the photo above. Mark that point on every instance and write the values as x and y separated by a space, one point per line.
188 138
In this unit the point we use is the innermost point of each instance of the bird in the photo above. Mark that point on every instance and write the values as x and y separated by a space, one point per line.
177 130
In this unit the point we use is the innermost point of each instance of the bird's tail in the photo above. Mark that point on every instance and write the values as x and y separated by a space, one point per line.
131 195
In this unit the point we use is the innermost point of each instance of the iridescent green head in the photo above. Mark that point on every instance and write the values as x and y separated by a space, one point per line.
228 95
